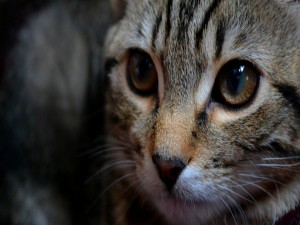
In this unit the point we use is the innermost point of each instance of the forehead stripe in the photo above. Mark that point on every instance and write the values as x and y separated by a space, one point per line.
208 14
168 20
156 29
220 35
186 14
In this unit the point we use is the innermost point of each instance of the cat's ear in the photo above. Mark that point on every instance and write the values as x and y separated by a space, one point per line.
118 8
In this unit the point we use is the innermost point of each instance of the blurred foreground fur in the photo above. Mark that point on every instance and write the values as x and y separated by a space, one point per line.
50 75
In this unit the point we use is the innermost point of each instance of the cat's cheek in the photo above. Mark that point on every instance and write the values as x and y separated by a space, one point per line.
192 186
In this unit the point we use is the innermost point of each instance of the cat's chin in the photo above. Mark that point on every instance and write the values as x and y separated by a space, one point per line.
180 212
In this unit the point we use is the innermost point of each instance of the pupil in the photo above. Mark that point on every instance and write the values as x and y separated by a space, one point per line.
236 81
143 69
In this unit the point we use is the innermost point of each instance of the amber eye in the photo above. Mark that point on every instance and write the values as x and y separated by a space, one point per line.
141 73
236 83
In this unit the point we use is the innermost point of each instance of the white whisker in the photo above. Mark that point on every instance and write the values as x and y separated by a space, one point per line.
237 184
241 211
274 221
282 158
109 187
128 203
259 187
115 155
99 149
278 165
259 177
233 192
263 178
115 182
109 149
233 217
127 163
225 220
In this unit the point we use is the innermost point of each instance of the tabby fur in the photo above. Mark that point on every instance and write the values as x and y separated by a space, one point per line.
242 164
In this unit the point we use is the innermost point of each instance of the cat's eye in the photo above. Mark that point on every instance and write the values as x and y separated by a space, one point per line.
236 83
141 73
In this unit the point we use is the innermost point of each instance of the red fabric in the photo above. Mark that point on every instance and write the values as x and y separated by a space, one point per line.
291 218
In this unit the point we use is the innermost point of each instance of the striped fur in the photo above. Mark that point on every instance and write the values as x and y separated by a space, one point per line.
243 164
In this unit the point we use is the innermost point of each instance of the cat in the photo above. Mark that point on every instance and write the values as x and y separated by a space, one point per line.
202 113
50 65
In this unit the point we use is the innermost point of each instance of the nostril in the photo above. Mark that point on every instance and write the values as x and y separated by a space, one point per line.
168 170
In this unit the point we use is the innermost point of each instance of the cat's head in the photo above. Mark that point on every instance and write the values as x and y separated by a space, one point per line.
205 97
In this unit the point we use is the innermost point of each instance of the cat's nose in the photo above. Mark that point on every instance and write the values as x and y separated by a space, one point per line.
168 169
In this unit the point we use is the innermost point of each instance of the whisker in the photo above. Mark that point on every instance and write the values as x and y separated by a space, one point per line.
233 192
282 158
114 155
237 184
110 149
115 182
274 221
89 151
138 191
225 220
259 187
266 179
97 149
284 167
129 186
128 163
220 213
122 141
239 208
278 165
259 177
233 217
109 187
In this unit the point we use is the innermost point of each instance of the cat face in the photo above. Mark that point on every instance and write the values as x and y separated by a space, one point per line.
205 95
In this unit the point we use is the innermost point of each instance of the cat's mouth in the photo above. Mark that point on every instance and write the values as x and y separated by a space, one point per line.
179 207
178 200
190 196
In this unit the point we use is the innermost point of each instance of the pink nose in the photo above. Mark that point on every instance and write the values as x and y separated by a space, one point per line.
168 170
